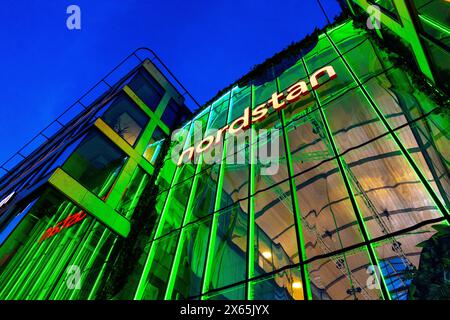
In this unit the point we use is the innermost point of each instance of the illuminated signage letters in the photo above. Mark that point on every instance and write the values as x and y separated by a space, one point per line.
64 224
278 101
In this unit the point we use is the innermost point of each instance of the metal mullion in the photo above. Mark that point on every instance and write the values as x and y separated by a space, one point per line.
250 205
358 215
307 295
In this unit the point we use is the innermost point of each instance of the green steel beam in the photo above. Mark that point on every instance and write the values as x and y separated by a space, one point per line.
89 202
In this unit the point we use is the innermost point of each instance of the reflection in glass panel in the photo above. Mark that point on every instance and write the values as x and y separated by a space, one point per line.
322 54
399 101
285 285
331 89
205 192
343 277
366 60
346 37
388 191
219 114
271 166
147 89
164 252
431 161
241 99
154 146
126 118
51 223
413 264
229 253
235 177
276 237
352 120
328 219
264 92
193 244
96 163
292 75
308 143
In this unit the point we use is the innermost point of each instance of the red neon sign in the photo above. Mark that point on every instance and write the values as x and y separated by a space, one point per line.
64 224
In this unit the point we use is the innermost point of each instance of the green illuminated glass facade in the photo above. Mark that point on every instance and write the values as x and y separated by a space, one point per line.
361 182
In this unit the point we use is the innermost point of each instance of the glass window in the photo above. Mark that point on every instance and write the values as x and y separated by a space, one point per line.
166 174
328 219
175 207
331 89
292 75
154 146
189 274
241 99
346 37
132 193
342 277
389 193
233 293
96 163
264 92
219 113
352 120
173 114
229 252
321 55
308 142
147 89
205 192
235 177
124 117
275 232
156 282
271 163
413 263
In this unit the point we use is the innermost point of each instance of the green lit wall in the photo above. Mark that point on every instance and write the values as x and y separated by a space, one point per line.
362 180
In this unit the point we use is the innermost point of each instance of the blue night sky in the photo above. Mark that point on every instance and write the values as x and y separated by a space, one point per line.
207 44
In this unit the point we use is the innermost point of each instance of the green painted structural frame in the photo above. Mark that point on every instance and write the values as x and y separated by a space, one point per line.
105 211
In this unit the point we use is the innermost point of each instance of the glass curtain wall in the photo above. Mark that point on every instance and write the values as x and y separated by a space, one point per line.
360 178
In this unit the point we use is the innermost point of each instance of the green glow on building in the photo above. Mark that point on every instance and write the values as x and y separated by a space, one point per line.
362 179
